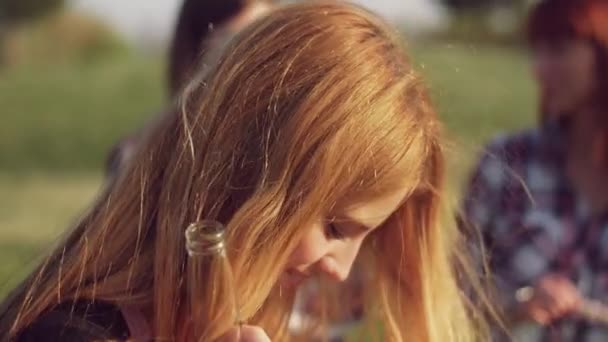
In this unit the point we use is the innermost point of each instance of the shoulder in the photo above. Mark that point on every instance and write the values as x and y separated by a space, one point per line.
515 146
124 151
510 153
121 154
509 159
500 173
80 321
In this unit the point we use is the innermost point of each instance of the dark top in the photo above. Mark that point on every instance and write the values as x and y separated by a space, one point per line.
79 322
120 155
124 151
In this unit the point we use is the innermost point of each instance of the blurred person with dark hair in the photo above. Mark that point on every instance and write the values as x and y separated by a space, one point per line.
200 26
540 197
203 27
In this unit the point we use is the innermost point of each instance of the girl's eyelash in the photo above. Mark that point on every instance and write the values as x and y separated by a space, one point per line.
333 231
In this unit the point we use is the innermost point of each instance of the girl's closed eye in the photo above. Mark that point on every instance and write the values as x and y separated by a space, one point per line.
333 232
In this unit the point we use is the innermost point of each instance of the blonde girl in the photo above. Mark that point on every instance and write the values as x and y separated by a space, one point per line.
310 142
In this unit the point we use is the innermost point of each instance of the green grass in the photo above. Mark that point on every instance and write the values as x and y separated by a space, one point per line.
58 123
34 210
479 91
66 117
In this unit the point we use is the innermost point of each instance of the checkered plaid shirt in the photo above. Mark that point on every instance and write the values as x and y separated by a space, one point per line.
533 224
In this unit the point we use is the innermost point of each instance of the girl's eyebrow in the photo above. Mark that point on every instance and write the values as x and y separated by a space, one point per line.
361 226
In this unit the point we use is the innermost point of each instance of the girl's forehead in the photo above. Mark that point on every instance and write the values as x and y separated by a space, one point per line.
373 212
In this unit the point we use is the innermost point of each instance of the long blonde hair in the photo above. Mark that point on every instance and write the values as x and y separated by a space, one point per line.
313 107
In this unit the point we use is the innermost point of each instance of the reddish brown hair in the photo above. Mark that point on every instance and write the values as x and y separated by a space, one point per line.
314 107
555 20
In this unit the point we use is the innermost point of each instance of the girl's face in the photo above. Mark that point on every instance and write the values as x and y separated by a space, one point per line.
332 243
566 73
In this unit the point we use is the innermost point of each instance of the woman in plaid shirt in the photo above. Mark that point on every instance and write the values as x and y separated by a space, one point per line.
540 197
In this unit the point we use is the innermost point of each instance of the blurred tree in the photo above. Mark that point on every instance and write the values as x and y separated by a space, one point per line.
467 5
16 11
459 5
488 20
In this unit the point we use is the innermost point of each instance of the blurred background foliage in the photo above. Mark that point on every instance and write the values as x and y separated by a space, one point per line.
14 12
486 21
